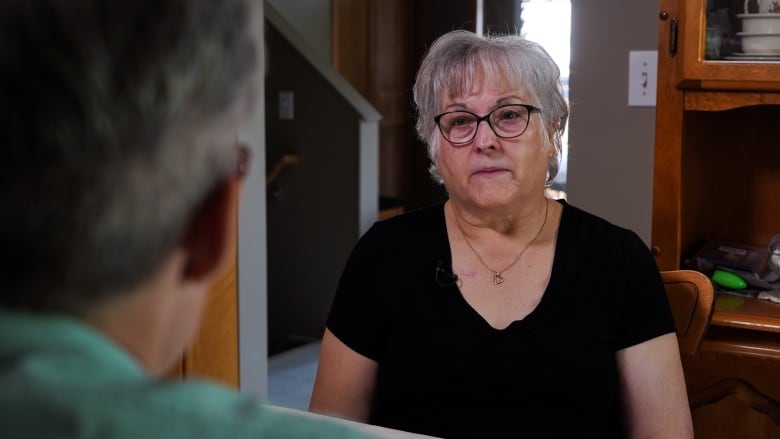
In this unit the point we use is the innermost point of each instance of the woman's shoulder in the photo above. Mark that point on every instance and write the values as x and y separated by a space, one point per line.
415 235
419 220
582 225
425 224
584 218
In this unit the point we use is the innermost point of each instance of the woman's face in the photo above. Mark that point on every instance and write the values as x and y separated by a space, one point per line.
492 172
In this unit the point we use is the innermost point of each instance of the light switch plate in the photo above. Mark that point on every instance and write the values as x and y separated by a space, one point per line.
286 105
642 77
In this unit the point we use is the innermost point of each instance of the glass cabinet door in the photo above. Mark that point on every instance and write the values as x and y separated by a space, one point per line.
719 46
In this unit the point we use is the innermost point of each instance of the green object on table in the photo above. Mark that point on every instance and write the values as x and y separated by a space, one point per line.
727 279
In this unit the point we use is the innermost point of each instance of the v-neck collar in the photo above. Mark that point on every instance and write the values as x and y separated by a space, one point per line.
552 294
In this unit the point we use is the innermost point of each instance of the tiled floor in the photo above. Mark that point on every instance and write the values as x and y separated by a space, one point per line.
291 376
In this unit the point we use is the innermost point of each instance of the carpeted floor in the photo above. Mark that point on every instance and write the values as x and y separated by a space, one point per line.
291 376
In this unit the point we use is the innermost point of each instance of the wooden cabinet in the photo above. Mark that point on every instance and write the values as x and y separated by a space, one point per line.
213 354
733 382
717 155
717 177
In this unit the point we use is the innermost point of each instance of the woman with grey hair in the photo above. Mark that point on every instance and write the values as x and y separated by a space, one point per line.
500 312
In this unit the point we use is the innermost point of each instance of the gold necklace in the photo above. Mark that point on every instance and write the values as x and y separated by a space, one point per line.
497 278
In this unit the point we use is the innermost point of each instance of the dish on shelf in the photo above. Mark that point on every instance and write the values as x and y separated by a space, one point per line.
753 43
760 23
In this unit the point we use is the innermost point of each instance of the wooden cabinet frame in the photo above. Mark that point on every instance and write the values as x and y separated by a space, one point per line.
717 176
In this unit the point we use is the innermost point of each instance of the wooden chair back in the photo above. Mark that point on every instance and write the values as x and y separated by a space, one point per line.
692 299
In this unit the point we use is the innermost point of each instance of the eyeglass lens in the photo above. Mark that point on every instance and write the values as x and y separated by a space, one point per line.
506 121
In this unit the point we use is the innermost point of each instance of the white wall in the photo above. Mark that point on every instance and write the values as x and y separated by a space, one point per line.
610 170
252 243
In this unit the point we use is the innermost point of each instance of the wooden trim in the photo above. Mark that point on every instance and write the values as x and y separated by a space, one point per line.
214 353
745 392
747 313
350 42
668 145
721 101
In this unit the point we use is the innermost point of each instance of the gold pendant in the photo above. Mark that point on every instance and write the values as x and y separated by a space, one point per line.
497 279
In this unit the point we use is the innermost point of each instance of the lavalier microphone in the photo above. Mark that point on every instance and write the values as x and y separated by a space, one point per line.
443 276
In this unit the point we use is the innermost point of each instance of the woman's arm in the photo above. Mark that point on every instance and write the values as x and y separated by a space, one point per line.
345 381
653 389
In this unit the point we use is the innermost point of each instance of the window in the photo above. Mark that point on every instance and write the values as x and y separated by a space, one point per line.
548 22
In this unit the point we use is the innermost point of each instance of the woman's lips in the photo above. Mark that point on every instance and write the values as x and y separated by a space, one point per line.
489 171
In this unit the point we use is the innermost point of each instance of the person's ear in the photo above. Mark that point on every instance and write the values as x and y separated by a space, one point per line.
210 242
551 142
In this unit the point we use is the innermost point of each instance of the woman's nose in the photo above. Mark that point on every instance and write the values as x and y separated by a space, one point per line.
485 138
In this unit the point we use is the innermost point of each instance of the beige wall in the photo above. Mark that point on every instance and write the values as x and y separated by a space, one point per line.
611 157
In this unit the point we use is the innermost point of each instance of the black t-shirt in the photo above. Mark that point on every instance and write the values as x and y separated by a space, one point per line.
444 371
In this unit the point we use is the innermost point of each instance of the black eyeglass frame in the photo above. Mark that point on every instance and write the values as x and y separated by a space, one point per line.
530 108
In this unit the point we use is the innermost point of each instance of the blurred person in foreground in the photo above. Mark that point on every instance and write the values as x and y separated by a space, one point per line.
118 183
500 312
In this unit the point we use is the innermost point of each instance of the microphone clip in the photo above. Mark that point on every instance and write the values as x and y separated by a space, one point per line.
444 277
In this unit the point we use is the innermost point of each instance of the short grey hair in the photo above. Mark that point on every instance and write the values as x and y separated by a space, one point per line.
451 65
107 112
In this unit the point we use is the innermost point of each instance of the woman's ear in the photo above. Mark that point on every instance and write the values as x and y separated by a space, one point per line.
210 242
551 140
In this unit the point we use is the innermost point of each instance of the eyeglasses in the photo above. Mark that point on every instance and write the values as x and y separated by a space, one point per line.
506 121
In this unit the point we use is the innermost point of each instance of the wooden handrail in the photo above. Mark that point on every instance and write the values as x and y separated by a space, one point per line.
286 160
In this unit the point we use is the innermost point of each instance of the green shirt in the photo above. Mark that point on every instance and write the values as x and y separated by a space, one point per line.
61 379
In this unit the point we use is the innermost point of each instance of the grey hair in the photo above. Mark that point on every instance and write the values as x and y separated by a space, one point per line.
109 112
452 64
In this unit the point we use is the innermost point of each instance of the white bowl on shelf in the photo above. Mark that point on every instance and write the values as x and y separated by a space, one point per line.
766 23
759 43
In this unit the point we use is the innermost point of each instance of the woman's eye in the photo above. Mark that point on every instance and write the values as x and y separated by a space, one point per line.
460 121
509 115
